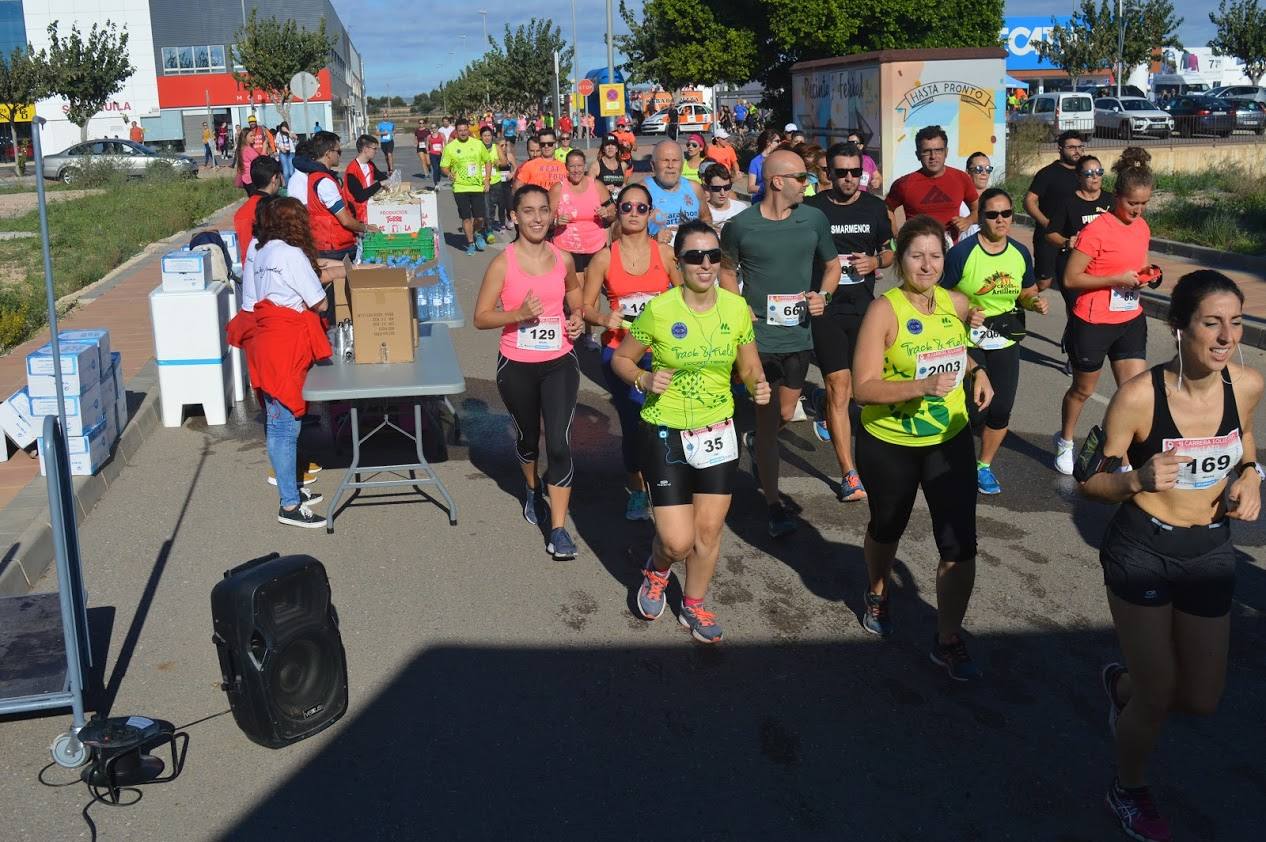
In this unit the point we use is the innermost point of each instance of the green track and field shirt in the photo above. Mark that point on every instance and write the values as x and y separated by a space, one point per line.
466 160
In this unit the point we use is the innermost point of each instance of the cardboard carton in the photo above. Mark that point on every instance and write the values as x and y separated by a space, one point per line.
405 217
81 369
16 419
186 271
384 321
83 411
97 336
86 452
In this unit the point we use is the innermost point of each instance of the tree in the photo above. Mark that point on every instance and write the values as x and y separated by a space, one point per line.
272 52
1089 42
86 73
1077 50
23 81
519 72
1242 35
708 42
1149 25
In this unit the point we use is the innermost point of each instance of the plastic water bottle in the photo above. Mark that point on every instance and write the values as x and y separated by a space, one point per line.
424 311
436 302
450 311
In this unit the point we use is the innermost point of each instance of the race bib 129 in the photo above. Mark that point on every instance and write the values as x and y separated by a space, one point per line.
544 334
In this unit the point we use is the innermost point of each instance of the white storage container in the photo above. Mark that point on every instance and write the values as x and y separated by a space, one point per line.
191 351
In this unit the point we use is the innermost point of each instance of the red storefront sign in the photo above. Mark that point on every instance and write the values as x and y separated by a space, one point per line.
190 91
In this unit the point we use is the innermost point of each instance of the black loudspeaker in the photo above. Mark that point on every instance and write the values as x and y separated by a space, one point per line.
281 655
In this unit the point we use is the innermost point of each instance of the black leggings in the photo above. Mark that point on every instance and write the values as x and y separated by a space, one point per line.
1003 368
548 389
893 474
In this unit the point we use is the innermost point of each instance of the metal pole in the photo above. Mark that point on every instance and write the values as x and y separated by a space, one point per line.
243 12
575 64
50 294
556 94
610 49
1120 45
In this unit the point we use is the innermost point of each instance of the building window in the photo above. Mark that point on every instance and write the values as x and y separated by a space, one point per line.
171 63
217 57
186 58
196 59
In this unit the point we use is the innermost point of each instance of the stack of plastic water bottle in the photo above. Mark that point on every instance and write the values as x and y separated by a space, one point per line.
397 261
436 302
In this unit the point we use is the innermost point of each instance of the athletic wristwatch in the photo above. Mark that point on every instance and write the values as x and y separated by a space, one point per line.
1244 466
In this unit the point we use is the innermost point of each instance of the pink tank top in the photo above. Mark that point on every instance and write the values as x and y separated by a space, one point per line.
584 234
545 338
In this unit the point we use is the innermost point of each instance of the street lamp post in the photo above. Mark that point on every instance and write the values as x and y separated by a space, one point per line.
1120 46
488 88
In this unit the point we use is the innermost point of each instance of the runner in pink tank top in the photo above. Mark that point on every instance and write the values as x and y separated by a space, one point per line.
523 295
582 210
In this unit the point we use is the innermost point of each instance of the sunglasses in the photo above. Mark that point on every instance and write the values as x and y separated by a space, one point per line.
1092 173
802 177
980 170
1005 214
853 172
549 142
692 144
641 207
718 188
695 257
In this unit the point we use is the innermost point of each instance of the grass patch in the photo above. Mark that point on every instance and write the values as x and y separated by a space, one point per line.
92 235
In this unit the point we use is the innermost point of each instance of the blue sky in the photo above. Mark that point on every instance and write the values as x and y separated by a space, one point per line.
403 58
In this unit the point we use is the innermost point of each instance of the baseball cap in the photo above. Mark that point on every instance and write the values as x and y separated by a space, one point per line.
791 127
721 133
250 119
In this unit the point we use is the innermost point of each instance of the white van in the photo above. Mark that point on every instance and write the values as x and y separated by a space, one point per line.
1060 112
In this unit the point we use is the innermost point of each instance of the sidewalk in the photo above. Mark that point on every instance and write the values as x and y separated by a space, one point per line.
120 304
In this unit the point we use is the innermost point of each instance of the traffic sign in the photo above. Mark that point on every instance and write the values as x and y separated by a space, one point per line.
585 87
304 86
611 100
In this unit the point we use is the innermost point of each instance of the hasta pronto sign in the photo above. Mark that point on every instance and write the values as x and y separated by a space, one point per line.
967 93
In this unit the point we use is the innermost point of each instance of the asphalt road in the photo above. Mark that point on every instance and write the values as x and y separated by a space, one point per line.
497 694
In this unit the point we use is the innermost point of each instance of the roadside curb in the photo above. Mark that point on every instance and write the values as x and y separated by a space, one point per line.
24 522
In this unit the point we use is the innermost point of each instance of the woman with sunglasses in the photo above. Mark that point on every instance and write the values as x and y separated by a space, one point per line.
694 158
979 170
912 375
697 335
995 273
630 273
608 170
1072 213
1105 271
717 185
523 294
872 178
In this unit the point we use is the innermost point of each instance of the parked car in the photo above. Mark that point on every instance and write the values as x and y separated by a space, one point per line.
1250 114
1195 115
1130 116
1059 112
691 117
135 158
1255 92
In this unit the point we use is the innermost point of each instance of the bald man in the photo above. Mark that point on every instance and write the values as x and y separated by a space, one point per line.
674 200
775 244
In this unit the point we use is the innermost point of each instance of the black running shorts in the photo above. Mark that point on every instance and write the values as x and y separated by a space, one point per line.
670 479
1147 562
470 205
834 338
787 370
1088 344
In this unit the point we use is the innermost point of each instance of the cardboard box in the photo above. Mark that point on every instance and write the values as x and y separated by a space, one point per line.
186 271
81 369
230 242
86 452
16 419
82 411
96 336
405 217
112 427
107 387
384 320
120 388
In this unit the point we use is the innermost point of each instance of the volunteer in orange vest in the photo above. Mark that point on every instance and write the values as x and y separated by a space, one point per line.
334 227
362 179
265 181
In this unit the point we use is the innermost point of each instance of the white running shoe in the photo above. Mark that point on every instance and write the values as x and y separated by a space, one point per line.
1063 456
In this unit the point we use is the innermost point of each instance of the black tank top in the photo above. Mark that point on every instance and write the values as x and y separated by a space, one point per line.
610 178
1163 426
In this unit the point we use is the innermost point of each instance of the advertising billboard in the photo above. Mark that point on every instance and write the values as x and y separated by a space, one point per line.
1019 34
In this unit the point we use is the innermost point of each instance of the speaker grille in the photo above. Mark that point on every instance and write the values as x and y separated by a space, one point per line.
305 678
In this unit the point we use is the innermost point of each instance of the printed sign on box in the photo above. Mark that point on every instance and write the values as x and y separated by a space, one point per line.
80 369
405 217
86 453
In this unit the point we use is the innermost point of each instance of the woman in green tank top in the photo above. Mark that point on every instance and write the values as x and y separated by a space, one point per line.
911 374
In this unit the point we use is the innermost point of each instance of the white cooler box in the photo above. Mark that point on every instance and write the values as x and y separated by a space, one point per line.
191 351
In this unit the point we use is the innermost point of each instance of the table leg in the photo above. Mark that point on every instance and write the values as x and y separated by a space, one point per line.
350 475
426 466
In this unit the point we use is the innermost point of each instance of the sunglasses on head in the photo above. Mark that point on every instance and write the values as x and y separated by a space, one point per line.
695 257
641 207
718 188
1005 214
980 169
1097 173
855 172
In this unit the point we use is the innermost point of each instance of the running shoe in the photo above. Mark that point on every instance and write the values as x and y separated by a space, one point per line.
480 242
702 624
314 468
638 507
851 488
650 596
1137 813
300 516
560 545
1063 455
1109 677
309 497
820 430
470 249
817 402
875 618
308 478
535 504
490 237
954 657
780 523
986 482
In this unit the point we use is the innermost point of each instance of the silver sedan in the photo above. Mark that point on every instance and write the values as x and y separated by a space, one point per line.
1128 116
134 158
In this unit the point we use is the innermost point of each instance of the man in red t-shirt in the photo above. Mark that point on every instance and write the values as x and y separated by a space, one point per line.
935 189
565 125
265 181
136 134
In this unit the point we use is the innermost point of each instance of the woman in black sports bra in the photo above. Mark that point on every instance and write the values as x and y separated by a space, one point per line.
608 169
1168 562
